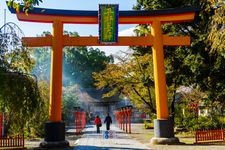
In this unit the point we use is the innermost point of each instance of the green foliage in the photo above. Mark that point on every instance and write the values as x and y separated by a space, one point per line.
202 122
132 78
199 65
161 4
217 31
35 126
20 97
70 100
187 112
13 56
20 100
195 66
42 59
81 62
31 125
78 65
207 123
24 5
148 124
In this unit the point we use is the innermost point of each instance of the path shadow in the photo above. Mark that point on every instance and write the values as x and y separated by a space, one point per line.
105 148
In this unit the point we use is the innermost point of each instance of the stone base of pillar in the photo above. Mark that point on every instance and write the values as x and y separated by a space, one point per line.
58 144
164 132
54 135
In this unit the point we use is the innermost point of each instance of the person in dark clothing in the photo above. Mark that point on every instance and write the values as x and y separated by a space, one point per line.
98 123
108 121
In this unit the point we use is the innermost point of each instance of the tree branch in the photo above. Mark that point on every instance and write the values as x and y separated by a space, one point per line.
142 98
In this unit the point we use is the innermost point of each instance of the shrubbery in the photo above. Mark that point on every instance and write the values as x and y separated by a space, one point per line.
192 121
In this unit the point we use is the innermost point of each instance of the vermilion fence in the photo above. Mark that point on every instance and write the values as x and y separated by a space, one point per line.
17 141
10 142
80 121
123 118
1 124
204 136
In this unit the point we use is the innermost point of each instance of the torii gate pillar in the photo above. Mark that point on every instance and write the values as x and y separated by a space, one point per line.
55 128
163 128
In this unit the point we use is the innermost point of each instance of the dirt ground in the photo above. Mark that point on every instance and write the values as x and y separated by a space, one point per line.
144 136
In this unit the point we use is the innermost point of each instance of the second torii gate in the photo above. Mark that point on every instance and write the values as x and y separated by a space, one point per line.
54 129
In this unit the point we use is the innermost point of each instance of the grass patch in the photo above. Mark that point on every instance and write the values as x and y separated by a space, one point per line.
186 137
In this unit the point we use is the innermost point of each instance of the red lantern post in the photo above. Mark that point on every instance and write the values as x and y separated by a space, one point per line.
83 120
78 119
129 113
116 113
126 118
121 119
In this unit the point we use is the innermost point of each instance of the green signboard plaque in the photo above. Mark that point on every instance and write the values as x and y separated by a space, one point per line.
108 23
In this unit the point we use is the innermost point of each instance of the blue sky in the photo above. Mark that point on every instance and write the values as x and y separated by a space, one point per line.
33 29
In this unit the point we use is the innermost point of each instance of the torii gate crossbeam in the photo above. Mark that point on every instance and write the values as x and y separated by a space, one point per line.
54 130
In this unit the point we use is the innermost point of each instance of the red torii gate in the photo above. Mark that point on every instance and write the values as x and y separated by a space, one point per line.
55 134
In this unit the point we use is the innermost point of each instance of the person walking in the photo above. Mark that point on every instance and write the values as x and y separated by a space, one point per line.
98 123
108 121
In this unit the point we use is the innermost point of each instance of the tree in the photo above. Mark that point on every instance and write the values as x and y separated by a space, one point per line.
204 61
217 30
70 101
78 65
81 62
13 56
19 93
145 78
201 64
193 66
42 58
34 127
25 4
132 78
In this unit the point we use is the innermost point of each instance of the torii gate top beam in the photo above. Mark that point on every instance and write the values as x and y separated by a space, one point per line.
44 15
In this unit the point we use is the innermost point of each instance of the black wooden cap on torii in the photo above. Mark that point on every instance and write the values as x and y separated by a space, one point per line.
122 13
